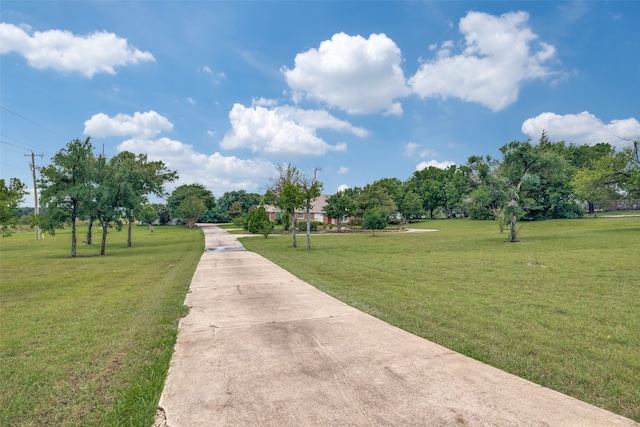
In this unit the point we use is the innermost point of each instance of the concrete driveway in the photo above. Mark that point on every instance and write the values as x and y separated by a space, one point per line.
263 348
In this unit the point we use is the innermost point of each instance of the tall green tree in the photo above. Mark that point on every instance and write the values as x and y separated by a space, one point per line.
258 221
375 218
393 187
456 189
441 188
609 178
191 208
311 189
339 206
538 181
164 216
235 210
411 206
489 190
373 196
284 192
65 184
635 160
148 214
10 197
593 183
547 189
141 178
109 197
630 175
578 157
246 201
191 211
429 183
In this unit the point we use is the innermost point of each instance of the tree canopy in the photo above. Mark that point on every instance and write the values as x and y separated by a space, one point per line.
65 185
189 202
311 189
79 185
10 197
339 206
285 193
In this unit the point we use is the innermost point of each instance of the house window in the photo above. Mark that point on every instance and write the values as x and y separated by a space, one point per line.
318 217
300 215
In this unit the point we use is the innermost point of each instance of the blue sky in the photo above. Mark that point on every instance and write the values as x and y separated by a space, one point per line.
364 90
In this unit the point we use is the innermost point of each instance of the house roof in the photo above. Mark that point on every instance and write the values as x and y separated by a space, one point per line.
316 207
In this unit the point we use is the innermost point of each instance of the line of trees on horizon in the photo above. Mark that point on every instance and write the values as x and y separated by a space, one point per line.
530 182
80 185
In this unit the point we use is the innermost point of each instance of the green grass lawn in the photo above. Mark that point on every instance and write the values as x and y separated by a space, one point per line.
560 308
88 340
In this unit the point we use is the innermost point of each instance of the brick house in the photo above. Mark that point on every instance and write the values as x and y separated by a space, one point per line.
316 212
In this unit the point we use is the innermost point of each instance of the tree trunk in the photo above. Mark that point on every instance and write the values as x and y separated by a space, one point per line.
339 225
592 208
103 245
73 237
293 228
514 231
129 235
89 231
308 231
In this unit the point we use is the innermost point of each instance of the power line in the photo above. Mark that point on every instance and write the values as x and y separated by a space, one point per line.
14 145
32 122
14 151
4 165
16 140
10 137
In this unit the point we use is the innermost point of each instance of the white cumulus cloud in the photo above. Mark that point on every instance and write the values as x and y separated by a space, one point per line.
263 102
435 164
146 124
412 149
354 74
99 52
581 128
500 53
217 172
284 130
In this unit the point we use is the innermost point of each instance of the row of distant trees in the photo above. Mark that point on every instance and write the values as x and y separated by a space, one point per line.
80 185
530 182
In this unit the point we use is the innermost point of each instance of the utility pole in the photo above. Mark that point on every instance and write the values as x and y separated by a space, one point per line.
35 189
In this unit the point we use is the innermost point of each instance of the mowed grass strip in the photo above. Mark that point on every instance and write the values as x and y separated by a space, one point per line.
88 340
560 308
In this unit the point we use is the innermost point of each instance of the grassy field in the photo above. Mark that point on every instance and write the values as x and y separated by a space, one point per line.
88 340
560 308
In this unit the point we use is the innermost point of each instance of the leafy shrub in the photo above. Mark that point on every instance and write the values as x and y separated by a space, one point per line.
375 218
393 220
239 221
356 222
477 211
258 222
313 226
